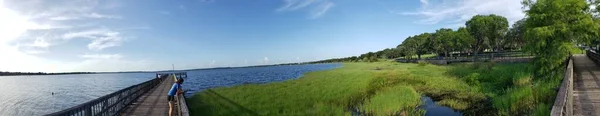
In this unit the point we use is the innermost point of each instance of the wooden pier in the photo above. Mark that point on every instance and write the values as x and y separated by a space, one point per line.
154 103
144 99
579 94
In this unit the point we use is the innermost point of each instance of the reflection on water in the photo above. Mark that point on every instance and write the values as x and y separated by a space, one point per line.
433 109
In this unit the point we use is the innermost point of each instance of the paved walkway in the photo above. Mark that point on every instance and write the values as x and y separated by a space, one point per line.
153 103
586 91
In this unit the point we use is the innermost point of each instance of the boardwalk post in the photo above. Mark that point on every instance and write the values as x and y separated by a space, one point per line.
570 88
88 111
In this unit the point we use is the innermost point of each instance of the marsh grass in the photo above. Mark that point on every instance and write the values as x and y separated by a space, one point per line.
510 87
335 92
387 88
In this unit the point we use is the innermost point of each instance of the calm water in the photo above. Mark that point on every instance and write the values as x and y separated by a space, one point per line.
204 79
432 109
32 95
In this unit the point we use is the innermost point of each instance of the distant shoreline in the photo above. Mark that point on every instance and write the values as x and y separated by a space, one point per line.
6 73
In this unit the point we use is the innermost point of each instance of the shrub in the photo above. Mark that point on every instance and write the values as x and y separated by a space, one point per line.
423 63
516 101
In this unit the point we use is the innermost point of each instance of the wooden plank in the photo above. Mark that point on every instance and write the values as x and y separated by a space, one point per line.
586 80
564 98
153 103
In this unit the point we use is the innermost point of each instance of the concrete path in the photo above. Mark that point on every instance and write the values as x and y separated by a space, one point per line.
153 103
586 91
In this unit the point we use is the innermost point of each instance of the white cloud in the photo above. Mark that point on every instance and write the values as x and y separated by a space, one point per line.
101 38
35 52
317 7
96 15
62 18
265 60
93 15
321 9
136 28
213 63
453 12
39 43
13 25
295 4
102 56
111 40
29 28
116 64
424 2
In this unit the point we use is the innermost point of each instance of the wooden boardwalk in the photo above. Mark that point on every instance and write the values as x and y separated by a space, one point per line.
153 103
586 91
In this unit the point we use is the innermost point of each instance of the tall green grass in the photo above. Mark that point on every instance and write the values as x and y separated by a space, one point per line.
388 88
393 101
510 87
363 86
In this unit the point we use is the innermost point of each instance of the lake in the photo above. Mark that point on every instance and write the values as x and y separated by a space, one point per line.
32 95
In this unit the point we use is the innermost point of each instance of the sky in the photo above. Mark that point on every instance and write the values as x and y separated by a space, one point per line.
150 35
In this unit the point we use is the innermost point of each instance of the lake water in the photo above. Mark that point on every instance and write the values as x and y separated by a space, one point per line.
32 95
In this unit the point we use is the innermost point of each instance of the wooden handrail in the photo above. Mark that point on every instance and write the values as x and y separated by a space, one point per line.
182 109
111 104
563 104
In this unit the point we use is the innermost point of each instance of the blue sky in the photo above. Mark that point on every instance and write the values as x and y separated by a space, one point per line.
127 35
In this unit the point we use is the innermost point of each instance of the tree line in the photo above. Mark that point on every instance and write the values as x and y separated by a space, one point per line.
549 31
39 73
482 32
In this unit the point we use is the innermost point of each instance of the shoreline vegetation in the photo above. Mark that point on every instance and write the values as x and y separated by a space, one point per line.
40 73
388 88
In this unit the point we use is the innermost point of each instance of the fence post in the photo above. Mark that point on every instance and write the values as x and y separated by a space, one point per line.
88 110
570 89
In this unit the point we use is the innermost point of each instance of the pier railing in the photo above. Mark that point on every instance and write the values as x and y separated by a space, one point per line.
111 104
501 57
182 109
563 104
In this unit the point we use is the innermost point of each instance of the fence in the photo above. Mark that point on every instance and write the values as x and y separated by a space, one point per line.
509 56
182 109
563 105
111 104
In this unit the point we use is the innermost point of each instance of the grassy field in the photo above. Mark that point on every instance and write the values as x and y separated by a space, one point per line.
383 88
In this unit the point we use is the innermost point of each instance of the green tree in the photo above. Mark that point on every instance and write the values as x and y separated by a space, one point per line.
442 41
463 40
489 30
514 36
552 27
417 44
405 51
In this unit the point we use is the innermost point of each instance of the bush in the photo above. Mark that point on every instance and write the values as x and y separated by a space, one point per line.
517 101
423 63
483 65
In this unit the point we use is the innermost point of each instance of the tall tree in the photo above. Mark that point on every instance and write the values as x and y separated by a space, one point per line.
417 44
551 28
441 41
514 36
463 40
487 29
476 27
